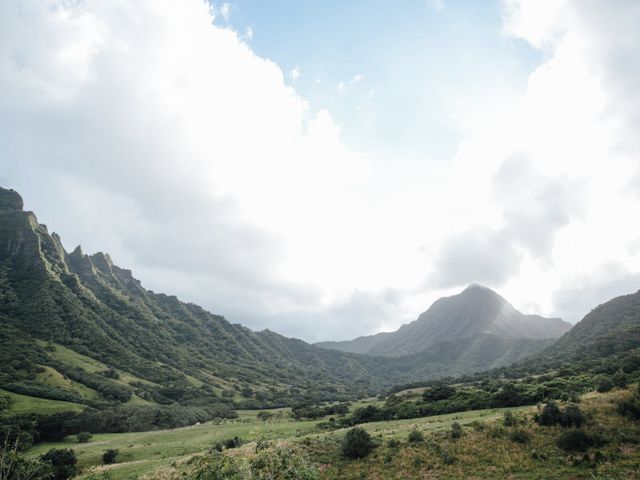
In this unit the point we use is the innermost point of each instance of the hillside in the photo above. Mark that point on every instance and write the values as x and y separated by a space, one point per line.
609 329
78 328
474 313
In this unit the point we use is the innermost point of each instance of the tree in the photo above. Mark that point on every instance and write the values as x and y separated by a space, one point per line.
63 462
571 416
84 437
439 391
264 416
550 415
357 443
109 456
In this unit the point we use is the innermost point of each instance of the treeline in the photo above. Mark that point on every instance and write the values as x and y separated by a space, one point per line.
27 429
441 398
314 411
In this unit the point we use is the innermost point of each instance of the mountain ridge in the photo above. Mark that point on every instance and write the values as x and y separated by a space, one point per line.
477 310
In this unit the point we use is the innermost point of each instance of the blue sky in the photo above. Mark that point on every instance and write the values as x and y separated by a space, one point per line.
413 60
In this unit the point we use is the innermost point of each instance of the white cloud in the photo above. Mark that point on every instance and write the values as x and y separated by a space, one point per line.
437 5
225 11
295 73
191 160
179 151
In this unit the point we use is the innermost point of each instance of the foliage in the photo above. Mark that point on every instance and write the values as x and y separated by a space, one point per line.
519 436
574 440
282 464
109 456
14 466
217 467
63 462
84 437
456 430
357 443
415 436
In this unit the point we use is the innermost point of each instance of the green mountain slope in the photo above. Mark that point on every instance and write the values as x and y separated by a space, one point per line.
609 329
77 328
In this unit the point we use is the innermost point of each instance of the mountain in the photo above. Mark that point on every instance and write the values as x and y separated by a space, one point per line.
474 313
609 329
78 328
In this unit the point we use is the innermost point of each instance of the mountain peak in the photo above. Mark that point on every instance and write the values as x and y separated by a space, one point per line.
10 200
476 287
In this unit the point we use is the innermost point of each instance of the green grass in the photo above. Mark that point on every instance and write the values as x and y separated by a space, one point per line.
54 378
143 452
27 404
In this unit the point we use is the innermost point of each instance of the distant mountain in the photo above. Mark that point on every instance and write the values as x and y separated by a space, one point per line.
474 313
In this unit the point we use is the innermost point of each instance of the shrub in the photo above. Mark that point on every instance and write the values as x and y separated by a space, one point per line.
234 442
446 457
509 420
574 441
282 464
549 416
630 406
109 456
217 467
62 461
14 466
393 443
519 436
415 436
456 430
357 443
571 416
84 437
604 385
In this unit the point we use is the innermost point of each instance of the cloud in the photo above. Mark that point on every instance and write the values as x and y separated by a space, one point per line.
179 151
533 208
295 73
584 293
478 255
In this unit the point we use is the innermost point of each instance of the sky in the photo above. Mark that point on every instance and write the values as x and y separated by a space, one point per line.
329 169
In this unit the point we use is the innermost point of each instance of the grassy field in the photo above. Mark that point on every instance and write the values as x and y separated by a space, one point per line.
26 404
486 449
144 452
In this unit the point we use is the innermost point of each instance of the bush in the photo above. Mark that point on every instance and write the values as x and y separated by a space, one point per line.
415 436
357 443
109 456
509 420
549 416
446 457
217 467
574 441
571 416
62 461
13 466
456 430
282 464
630 406
519 436
84 437
604 385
